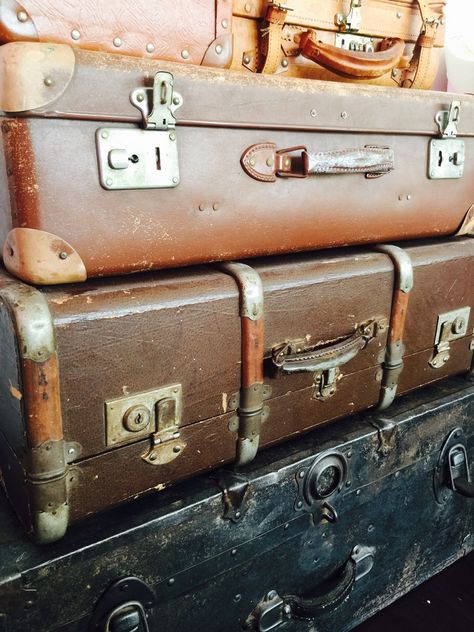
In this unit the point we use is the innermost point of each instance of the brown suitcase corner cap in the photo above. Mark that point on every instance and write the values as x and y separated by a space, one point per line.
36 256
33 75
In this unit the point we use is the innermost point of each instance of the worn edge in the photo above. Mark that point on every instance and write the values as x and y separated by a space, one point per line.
39 257
33 75
467 226
46 467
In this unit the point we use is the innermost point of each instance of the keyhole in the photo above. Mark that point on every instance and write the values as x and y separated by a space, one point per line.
440 158
138 419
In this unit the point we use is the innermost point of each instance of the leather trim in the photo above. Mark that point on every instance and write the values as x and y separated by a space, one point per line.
13 29
467 227
33 75
36 256
212 58
256 162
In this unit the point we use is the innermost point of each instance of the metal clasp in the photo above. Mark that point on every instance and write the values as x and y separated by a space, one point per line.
351 21
447 153
147 158
450 326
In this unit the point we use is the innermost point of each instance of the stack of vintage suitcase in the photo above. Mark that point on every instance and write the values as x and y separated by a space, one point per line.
120 155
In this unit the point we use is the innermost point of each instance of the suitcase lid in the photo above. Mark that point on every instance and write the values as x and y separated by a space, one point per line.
56 81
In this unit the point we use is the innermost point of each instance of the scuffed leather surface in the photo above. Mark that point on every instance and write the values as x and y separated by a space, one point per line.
170 25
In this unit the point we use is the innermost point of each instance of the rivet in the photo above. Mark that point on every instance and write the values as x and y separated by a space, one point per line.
176 101
48 81
286 527
153 458
75 34
117 42
63 255
344 115
177 449
172 136
218 49
287 162
394 72
247 7
401 197
299 504
399 14
313 113
370 528
301 474
272 594
201 207
109 182
233 552
349 454
175 180
225 23
104 134
175 390
237 514
140 97
397 474
269 162
170 581
22 16
185 54
215 206
252 162
71 451
237 598
442 21
348 483
432 174
287 609
150 48
247 59
358 492
409 197
284 63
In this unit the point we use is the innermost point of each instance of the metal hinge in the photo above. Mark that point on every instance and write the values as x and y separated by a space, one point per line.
450 326
447 152
143 158
351 21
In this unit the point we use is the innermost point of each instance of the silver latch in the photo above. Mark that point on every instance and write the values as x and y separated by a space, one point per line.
450 326
351 21
348 41
447 152
143 158
325 383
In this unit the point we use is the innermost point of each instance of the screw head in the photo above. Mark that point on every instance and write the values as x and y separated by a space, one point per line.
237 598
185 54
63 255
409 197
22 16
150 48
117 42
399 14
75 34
248 7
252 162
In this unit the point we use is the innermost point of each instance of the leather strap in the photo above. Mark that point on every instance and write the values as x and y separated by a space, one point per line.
264 162
360 65
276 17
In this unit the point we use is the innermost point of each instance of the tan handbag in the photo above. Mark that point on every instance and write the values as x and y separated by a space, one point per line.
383 42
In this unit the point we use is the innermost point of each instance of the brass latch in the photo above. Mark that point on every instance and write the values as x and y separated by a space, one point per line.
447 152
351 21
156 414
143 158
450 326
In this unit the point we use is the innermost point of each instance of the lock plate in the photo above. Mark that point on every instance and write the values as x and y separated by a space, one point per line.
349 41
137 158
446 159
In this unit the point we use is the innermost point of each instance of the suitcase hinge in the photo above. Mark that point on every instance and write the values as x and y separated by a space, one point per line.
148 158
447 152
451 326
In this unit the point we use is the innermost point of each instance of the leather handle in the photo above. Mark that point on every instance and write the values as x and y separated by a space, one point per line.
309 607
349 63
264 161
289 357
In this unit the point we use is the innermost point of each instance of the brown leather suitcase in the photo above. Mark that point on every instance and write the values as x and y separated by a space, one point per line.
197 32
120 387
375 41
92 193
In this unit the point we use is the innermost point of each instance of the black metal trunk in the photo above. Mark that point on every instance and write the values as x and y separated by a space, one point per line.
330 527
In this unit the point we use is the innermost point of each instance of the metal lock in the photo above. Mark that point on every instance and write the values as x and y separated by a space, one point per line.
348 41
450 326
143 158
447 153
325 478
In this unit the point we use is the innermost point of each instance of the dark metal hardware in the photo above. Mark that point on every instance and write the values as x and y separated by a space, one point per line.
452 473
123 607
234 488
459 475
324 478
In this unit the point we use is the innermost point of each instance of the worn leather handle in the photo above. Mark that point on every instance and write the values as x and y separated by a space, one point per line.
354 64
289 358
309 607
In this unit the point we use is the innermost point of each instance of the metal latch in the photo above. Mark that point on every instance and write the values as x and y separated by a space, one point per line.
325 383
347 41
450 326
351 21
157 413
143 158
446 159
452 471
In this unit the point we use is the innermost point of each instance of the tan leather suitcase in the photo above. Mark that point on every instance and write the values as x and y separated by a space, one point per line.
115 164
192 32
384 42
119 387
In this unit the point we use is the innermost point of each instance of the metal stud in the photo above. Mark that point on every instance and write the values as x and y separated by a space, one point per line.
176 101
22 16
140 97
269 162
75 34
201 207
175 180
313 113
284 63
63 255
150 48
225 23
344 115
252 162
109 182
185 54
218 49
104 134
117 42
48 82
247 59
172 136
215 206
399 14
